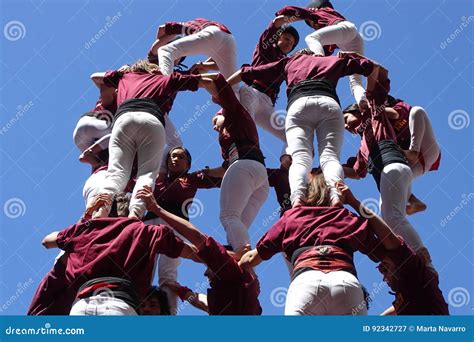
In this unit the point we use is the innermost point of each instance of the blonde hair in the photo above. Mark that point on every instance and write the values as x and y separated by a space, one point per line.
318 191
142 65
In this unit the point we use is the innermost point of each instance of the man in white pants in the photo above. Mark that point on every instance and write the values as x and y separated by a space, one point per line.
331 30
200 36
313 106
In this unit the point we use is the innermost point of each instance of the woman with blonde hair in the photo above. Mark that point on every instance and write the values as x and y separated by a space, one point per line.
320 241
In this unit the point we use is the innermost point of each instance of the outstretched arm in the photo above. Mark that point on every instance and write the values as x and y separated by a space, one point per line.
198 300
49 240
235 78
389 240
250 259
183 227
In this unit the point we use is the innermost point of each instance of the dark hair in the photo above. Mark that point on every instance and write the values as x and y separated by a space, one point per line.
392 101
291 30
156 292
320 4
353 109
186 152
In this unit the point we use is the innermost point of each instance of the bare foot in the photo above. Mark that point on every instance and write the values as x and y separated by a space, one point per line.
415 206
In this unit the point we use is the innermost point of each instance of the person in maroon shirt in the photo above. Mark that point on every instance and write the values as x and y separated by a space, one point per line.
175 191
200 36
416 137
416 284
143 94
260 96
115 247
311 82
380 155
320 240
244 186
331 28
233 291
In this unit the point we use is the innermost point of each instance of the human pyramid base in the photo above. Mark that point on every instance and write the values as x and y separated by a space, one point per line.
138 194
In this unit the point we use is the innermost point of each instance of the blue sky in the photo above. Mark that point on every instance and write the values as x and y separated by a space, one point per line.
48 53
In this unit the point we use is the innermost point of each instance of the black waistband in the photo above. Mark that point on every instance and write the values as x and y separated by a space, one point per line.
251 153
310 88
110 286
386 152
141 105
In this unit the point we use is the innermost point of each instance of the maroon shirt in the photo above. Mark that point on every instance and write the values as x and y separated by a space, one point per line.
233 291
172 193
324 16
313 226
162 89
99 107
116 247
418 291
267 51
400 125
376 129
308 67
239 138
192 26
54 295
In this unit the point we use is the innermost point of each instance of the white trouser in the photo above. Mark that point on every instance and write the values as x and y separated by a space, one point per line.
395 189
318 293
93 185
140 134
102 306
422 139
88 130
167 270
260 106
306 115
347 38
244 189
210 41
